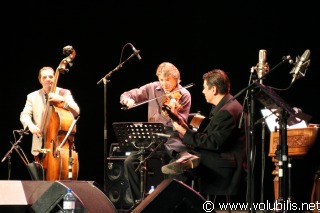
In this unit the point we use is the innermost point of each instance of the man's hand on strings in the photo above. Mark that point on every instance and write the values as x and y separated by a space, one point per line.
56 99
34 130
182 130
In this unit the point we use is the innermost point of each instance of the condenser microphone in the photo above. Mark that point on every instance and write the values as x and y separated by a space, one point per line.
300 66
136 52
162 135
262 66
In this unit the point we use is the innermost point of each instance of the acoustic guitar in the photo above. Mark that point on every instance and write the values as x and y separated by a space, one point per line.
196 121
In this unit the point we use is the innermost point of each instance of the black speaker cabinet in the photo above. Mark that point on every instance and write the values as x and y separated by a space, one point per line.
46 196
172 196
116 185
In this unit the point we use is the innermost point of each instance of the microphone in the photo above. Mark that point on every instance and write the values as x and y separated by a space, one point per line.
136 52
162 135
262 66
301 65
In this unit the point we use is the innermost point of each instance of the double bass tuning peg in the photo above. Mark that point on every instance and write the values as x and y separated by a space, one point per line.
63 70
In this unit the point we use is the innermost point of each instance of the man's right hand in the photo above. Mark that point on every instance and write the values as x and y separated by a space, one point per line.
34 130
129 102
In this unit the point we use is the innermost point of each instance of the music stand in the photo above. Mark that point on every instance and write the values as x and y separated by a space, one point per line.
141 136
286 116
271 100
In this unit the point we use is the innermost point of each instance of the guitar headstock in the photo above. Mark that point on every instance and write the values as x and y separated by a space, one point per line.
168 112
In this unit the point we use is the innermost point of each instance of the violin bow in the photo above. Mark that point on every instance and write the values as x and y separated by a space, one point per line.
144 102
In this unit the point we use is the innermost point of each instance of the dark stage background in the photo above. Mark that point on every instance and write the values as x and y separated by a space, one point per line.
195 36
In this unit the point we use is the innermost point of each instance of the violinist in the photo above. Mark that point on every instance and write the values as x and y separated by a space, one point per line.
31 115
178 99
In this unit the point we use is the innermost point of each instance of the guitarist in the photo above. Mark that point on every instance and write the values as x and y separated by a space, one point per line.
221 145
160 92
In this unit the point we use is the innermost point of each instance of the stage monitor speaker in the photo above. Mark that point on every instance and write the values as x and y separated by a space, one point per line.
12 197
116 185
89 197
44 196
172 196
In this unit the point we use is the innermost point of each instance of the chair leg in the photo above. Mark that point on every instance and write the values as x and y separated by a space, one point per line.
195 184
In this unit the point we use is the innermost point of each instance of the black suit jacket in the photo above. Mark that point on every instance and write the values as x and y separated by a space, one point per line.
222 149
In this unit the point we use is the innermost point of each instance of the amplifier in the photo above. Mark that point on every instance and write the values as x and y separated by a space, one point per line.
116 151
117 186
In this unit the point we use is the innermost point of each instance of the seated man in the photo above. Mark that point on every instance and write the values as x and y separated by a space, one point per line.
162 93
221 145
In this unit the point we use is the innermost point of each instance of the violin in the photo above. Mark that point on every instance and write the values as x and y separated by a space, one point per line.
170 106
172 99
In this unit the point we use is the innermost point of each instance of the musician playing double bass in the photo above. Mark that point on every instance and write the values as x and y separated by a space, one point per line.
31 116
161 92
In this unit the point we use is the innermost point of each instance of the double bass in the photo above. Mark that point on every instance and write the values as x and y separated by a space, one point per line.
60 161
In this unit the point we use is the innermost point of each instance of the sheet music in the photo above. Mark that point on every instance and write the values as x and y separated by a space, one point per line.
141 134
271 121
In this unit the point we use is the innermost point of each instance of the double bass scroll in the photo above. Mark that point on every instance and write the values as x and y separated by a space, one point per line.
71 53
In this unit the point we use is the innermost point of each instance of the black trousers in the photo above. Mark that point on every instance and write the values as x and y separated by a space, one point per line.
170 148
133 174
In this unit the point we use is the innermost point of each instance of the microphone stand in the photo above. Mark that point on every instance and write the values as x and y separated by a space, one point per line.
251 151
250 138
247 102
105 80
18 150
263 127
263 160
